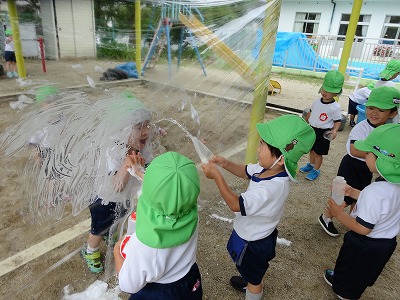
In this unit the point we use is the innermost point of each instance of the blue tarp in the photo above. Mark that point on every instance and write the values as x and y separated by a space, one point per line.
130 69
293 50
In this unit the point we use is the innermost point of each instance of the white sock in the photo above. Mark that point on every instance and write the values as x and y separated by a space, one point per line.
251 296
326 220
90 250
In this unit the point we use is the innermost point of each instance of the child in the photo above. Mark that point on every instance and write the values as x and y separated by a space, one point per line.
359 97
105 211
258 210
374 221
9 55
325 115
160 258
380 107
388 74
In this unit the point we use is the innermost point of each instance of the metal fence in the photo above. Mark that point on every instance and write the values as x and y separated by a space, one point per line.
321 53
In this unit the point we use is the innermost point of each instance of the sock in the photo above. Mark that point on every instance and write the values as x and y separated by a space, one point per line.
326 220
90 250
251 296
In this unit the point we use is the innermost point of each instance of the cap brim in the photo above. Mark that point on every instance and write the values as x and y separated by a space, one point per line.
363 146
379 105
386 74
331 90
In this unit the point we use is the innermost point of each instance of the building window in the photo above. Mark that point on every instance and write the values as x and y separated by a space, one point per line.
362 26
391 29
307 22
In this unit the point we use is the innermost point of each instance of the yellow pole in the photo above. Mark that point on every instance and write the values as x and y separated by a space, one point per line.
12 10
262 74
351 31
138 34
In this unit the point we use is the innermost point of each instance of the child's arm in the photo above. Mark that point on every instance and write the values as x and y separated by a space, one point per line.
307 116
357 153
335 129
119 260
344 218
232 200
236 169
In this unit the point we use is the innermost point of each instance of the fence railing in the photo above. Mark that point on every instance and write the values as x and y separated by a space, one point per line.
320 53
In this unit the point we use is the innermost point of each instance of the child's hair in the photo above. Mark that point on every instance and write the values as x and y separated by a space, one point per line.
274 151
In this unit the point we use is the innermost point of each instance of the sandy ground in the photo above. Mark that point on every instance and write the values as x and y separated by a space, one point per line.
295 273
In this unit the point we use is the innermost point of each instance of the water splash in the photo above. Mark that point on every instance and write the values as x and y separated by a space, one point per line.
91 82
202 151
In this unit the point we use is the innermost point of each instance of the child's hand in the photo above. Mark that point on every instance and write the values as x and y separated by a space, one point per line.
334 209
133 159
210 170
333 134
219 160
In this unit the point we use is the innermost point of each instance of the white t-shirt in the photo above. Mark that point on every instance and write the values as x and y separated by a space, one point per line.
323 115
144 264
263 205
360 96
378 208
359 132
10 45
380 83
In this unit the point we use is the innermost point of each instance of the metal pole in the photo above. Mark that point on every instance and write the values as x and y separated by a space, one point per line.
262 74
138 35
350 33
12 10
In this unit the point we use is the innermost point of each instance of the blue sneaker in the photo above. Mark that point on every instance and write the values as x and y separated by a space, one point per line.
313 174
307 168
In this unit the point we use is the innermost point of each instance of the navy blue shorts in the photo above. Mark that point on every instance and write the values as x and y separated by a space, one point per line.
103 216
10 56
256 258
321 145
352 109
360 262
189 287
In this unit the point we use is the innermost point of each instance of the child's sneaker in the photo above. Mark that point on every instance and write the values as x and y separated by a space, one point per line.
313 174
9 74
329 228
352 123
328 276
15 74
93 260
238 283
307 168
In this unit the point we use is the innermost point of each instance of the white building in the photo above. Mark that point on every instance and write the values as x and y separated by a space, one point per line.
378 19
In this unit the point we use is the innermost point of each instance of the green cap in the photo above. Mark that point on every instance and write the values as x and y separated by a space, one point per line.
167 208
45 91
384 97
8 32
292 135
333 82
392 67
384 142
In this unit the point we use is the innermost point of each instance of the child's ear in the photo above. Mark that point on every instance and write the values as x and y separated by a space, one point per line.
281 161
393 114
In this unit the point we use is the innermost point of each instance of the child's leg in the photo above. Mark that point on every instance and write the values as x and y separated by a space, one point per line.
254 292
318 161
312 157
